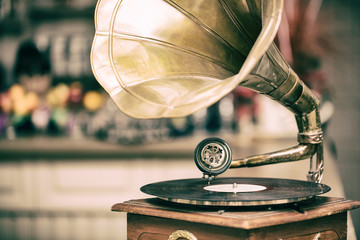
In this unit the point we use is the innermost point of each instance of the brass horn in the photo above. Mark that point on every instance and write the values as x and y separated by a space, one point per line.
171 58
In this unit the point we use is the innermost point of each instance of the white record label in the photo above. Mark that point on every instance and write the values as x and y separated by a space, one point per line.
237 188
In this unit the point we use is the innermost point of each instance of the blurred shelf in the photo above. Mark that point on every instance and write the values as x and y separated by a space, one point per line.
43 14
86 148
66 148
53 10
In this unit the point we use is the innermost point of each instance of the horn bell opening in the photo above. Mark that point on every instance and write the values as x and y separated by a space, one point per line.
171 58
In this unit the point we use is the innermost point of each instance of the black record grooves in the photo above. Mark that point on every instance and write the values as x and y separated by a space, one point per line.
274 191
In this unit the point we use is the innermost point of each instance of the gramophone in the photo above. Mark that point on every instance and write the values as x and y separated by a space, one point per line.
172 58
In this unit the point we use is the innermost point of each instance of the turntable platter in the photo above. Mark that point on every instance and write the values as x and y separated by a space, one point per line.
235 191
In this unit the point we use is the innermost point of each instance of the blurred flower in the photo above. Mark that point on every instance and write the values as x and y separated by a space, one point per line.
76 93
16 91
5 102
93 100
58 96
32 101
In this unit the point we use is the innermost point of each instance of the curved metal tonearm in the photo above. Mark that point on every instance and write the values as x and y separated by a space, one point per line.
299 99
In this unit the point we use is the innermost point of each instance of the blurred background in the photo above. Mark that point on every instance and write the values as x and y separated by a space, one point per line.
67 154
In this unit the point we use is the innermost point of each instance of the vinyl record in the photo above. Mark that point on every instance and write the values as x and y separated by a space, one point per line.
235 191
